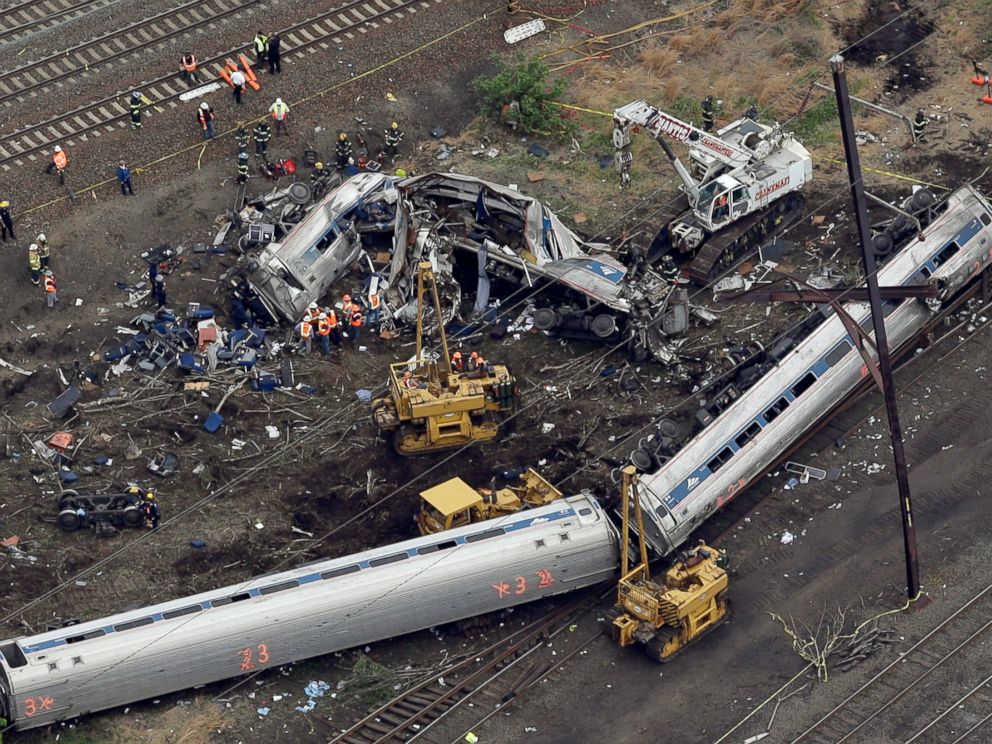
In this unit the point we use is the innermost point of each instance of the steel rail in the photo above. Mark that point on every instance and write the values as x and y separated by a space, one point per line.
920 647
178 21
414 711
109 112
58 15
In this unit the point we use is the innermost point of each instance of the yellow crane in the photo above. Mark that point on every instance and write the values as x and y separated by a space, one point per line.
665 617
429 406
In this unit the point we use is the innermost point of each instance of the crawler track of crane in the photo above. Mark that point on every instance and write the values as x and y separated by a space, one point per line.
456 699
897 696
333 27
29 16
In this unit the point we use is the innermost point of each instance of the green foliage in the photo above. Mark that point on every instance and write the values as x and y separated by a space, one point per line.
818 125
525 82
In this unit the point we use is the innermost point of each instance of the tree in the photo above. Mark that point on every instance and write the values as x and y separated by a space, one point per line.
522 97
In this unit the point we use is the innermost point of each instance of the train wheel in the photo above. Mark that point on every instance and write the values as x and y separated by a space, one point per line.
68 520
132 516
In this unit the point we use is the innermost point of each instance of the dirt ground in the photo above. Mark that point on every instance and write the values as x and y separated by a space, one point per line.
326 484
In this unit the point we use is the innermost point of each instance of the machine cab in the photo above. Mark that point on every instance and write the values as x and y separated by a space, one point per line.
721 201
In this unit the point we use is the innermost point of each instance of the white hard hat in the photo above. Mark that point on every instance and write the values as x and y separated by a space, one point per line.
322 316
204 105
33 247
41 238
278 100
312 306
58 148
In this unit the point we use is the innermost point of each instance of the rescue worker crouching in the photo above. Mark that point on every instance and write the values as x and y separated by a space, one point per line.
150 510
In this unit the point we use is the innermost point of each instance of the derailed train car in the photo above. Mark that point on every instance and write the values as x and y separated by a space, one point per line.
810 371
315 609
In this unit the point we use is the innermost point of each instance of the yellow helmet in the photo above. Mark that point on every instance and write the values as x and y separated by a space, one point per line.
343 136
394 125
150 496
400 173
4 204
318 165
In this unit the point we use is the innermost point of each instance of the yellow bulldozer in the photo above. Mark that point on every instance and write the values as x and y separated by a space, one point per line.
665 617
430 407
455 503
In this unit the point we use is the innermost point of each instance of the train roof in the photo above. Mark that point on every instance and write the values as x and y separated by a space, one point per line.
527 523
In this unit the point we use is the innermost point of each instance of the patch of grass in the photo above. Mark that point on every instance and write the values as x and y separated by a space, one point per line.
818 126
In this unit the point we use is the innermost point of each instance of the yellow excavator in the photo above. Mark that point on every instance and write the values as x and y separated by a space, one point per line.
455 503
665 617
430 407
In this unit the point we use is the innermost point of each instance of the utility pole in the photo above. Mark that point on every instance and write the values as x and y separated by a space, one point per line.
878 323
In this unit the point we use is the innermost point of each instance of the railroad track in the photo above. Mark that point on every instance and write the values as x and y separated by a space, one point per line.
895 697
490 679
28 16
333 27
30 78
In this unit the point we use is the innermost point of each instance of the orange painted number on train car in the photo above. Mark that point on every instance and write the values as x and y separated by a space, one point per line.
250 655
35 705
544 578
521 585
502 589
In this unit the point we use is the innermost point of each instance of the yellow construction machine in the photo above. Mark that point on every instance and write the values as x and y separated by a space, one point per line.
429 407
454 503
667 617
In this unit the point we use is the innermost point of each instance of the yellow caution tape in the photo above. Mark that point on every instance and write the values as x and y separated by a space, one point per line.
890 174
319 94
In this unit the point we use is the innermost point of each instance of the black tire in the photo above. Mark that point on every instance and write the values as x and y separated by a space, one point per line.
68 520
67 502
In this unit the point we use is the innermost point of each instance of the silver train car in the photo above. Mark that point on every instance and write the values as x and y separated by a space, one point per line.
315 609
811 379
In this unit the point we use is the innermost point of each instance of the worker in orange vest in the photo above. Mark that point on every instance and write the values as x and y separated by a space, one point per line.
305 329
324 332
457 363
59 162
189 68
51 289
311 312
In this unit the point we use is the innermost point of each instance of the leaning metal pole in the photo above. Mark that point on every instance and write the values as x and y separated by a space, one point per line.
878 322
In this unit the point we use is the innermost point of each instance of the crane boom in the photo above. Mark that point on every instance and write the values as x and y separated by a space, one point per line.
659 123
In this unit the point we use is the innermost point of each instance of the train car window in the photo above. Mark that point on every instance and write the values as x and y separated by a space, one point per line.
945 254
748 434
721 459
77 660
53 666
192 609
926 272
86 636
438 546
837 353
985 219
485 535
585 512
777 407
335 572
134 623
228 600
804 384
14 656
279 587
389 559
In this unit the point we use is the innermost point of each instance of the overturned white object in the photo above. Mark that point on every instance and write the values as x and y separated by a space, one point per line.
523 31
